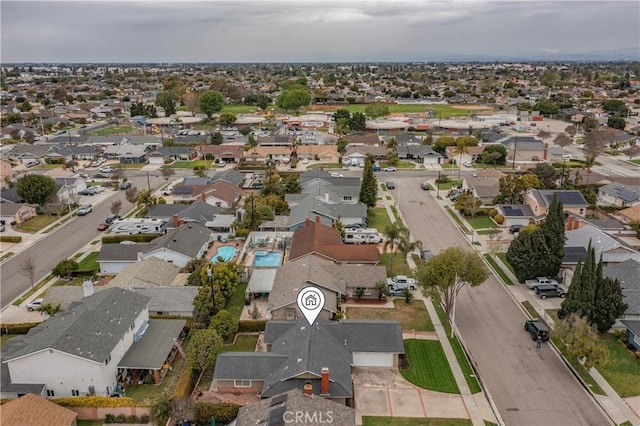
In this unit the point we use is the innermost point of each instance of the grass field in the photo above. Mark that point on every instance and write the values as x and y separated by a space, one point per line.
413 421
428 366
400 265
497 269
448 185
623 369
441 111
481 222
378 218
37 223
503 257
236 303
114 130
187 164
244 343
90 262
412 316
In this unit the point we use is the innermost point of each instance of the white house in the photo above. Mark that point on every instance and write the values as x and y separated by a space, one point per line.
77 352
180 245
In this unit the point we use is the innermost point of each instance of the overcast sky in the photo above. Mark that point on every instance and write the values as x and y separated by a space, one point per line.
316 31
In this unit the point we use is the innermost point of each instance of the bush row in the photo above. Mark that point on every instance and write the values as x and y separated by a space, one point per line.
121 418
95 401
223 413
138 238
10 239
185 382
246 326
17 328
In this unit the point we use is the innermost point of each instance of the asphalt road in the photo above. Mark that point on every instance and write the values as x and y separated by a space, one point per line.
63 243
528 386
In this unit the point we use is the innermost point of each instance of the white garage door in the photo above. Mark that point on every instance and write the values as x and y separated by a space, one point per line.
156 160
372 359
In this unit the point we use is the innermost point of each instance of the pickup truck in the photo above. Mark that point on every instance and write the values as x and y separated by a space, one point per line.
533 284
400 282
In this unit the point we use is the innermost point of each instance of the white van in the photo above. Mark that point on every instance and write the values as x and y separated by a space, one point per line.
354 162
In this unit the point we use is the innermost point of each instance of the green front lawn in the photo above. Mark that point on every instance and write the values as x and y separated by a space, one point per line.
37 223
244 343
428 366
187 164
411 316
239 109
497 269
325 166
236 303
411 421
448 185
378 218
482 222
503 257
113 130
400 265
637 161
90 262
622 371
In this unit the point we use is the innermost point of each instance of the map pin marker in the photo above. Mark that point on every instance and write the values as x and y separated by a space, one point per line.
310 301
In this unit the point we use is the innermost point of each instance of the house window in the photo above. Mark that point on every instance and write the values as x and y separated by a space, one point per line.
242 383
50 393
75 392
581 211
347 198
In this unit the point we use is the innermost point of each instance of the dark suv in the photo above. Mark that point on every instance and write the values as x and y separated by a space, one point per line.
549 290
536 328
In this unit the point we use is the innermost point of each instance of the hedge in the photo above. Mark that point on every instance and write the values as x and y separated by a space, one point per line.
138 238
10 239
185 382
17 328
224 412
121 418
95 401
246 326
499 219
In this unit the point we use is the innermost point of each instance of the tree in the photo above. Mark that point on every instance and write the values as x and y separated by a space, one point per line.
616 123
224 323
543 134
563 140
200 171
468 204
547 175
116 206
357 122
632 151
441 144
203 348
65 268
376 110
383 289
460 149
448 272
167 172
494 154
513 186
27 268
615 106
211 102
581 341
407 246
342 113
225 279
608 303
131 194
291 183
293 99
35 189
528 254
227 118
369 186
167 100
161 410
394 232
217 138
553 229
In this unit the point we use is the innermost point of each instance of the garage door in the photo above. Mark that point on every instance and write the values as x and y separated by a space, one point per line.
372 359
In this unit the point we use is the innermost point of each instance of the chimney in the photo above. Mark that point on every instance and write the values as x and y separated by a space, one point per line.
576 224
317 218
569 226
87 288
324 381
326 197
203 196
176 222
308 388
307 222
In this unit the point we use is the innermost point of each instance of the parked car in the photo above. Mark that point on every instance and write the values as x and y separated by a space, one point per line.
515 228
425 186
85 192
376 168
111 218
336 174
390 185
103 227
95 163
390 169
467 164
125 185
536 328
83 175
106 169
355 226
35 304
101 176
550 290
85 210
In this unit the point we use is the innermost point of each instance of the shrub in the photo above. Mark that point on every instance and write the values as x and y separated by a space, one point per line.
247 326
94 401
183 387
10 239
242 233
17 328
139 238
223 412
499 219
493 212
443 179
224 323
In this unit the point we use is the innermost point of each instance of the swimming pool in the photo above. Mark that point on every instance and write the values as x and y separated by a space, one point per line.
225 252
267 258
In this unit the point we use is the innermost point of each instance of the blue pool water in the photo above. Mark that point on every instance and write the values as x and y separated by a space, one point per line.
267 258
225 252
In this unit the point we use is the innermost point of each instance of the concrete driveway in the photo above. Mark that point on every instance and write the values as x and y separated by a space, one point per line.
384 392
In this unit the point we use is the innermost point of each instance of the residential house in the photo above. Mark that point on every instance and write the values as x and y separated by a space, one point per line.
321 355
114 258
336 281
526 150
629 214
326 242
264 154
16 213
218 193
324 153
421 154
68 188
10 195
171 153
30 410
148 272
77 352
360 153
176 301
472 153
367 139
180 245
6 172
231 176
285 406
540 199
627 273
127 153
516 214
321 209
226 153
174 214
580 234
484 185
276 140
618 194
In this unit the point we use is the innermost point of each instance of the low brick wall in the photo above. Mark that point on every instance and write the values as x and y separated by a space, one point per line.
92 413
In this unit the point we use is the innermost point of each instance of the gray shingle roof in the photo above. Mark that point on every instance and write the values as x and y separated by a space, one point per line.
149 272
627 273
177 299
122 252
187 239
90 329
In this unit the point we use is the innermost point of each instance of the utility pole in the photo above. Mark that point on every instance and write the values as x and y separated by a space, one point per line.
515 151
438 185
148 183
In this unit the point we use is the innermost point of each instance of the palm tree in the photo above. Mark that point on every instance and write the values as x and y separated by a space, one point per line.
407 246
394 234
461 149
